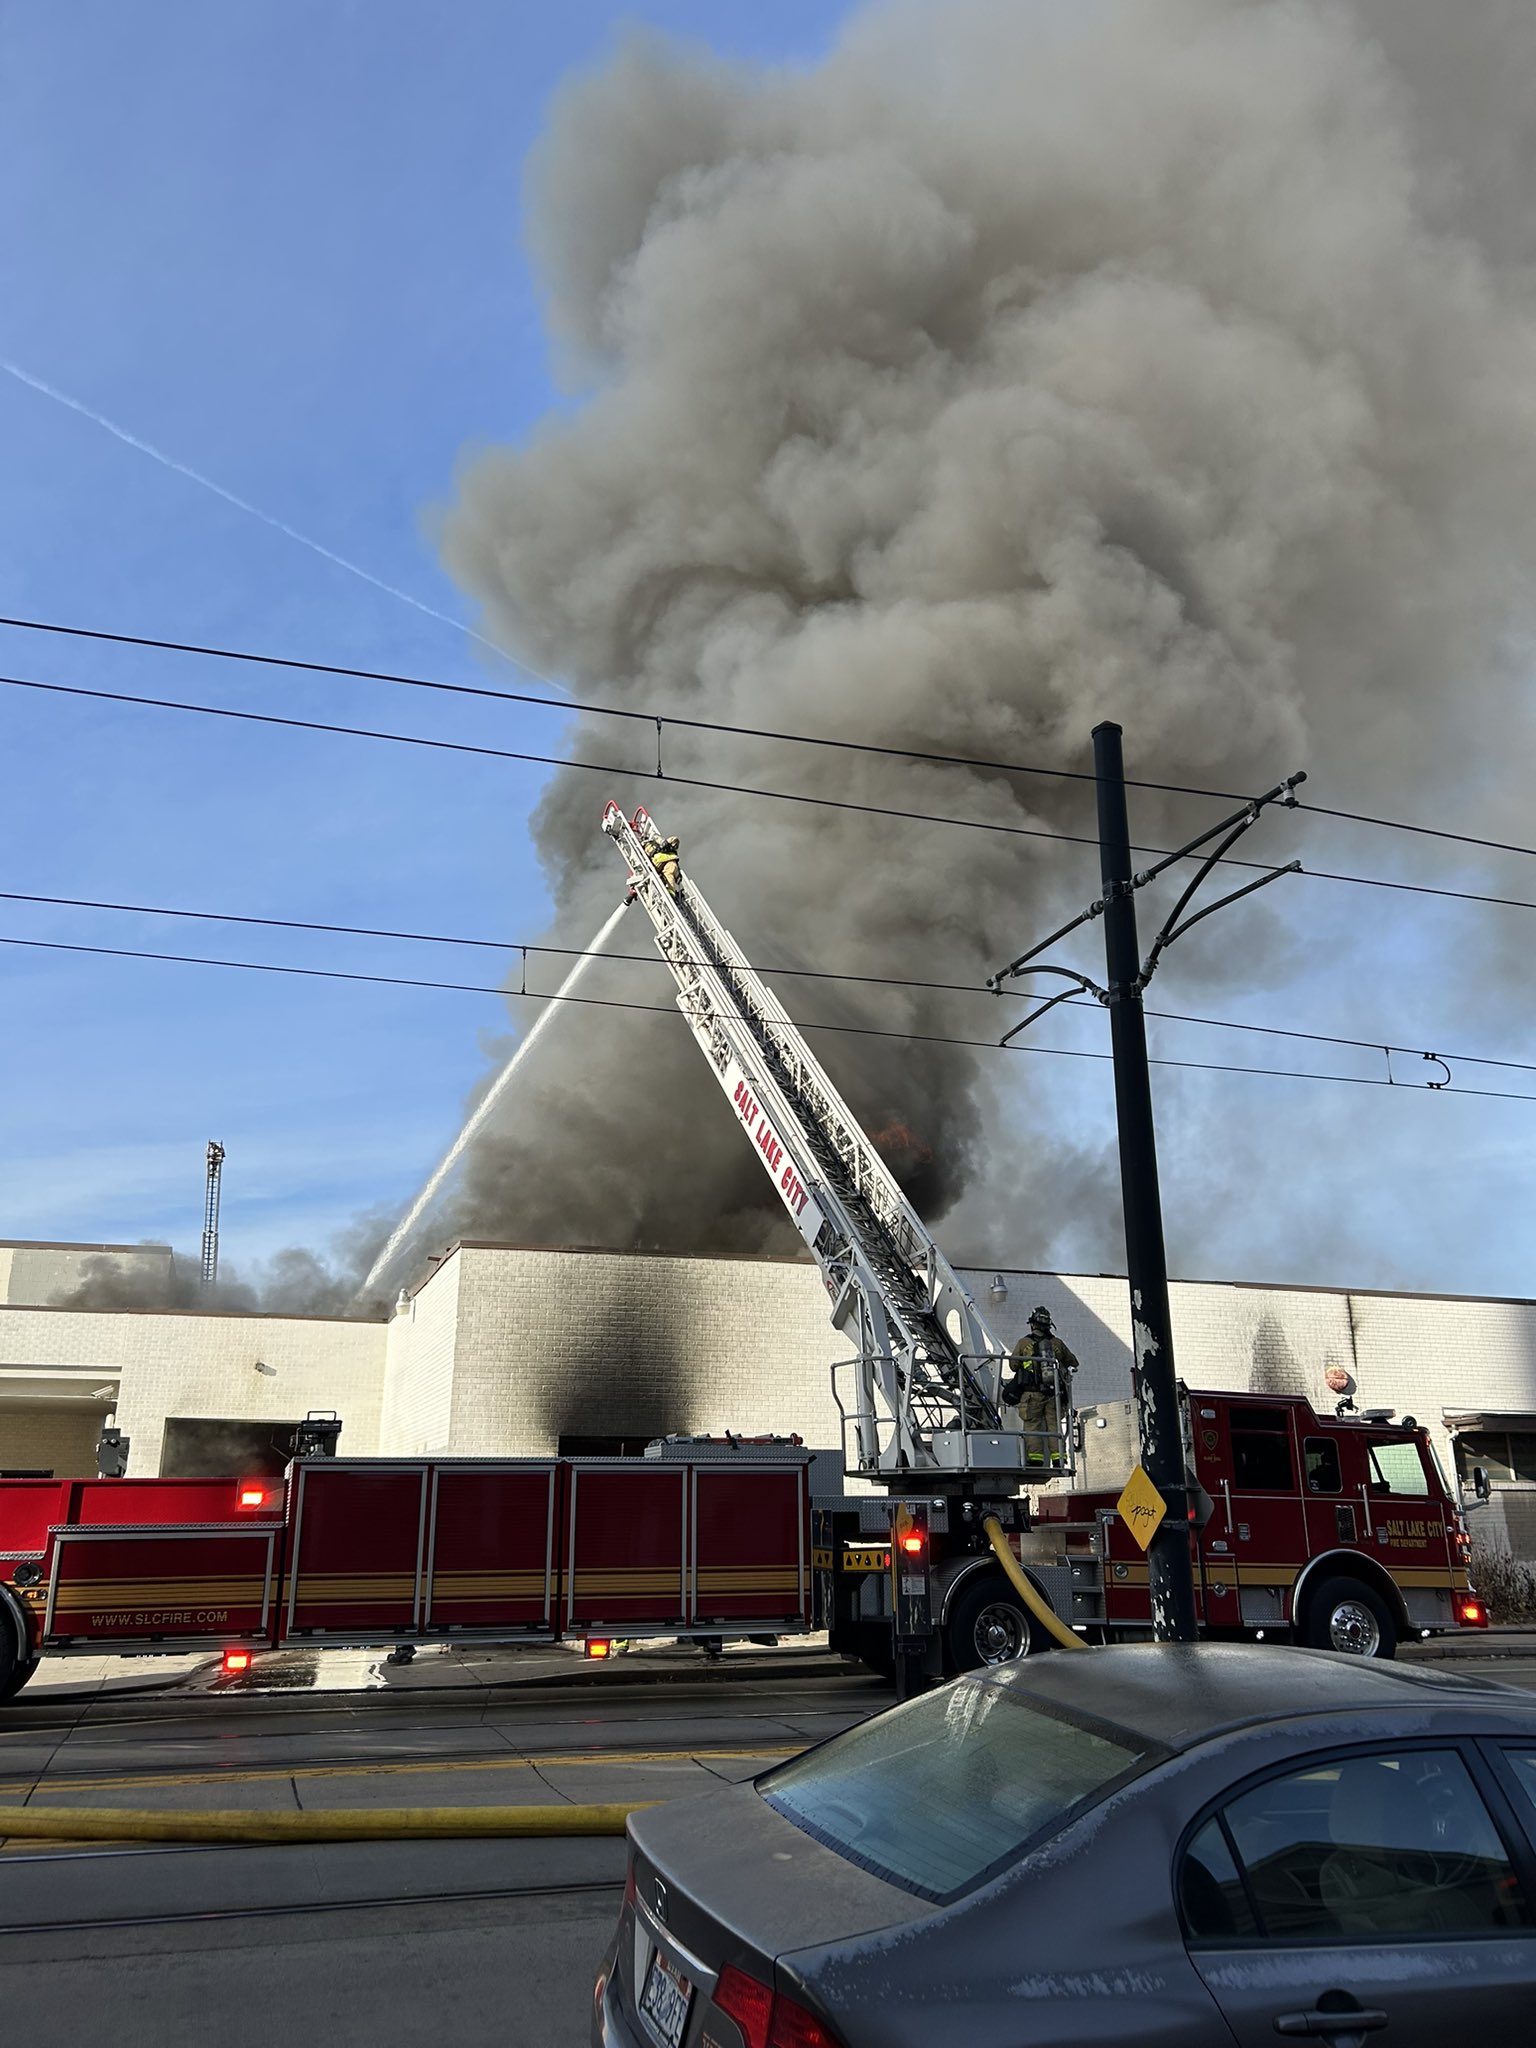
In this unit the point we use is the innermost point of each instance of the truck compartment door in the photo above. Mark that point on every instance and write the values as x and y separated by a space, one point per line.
355 1550
491 1550
190 1585
748 1559
626 1546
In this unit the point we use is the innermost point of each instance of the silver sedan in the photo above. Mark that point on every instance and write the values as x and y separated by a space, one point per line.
1200 1846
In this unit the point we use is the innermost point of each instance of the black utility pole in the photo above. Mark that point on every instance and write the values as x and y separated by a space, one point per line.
1156 1391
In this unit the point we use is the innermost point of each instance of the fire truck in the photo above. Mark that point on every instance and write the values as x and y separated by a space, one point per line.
1339 1532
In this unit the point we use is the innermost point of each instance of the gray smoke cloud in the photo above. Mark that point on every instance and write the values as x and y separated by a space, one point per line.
1018 366
295 1281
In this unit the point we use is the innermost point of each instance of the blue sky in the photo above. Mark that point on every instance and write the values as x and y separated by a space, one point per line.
284 245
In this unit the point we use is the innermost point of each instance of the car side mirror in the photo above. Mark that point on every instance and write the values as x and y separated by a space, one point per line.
1481 1485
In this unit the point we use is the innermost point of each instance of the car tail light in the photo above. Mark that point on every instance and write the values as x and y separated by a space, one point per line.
599 1646
747 2002
767 2018
1471 1614
236 1660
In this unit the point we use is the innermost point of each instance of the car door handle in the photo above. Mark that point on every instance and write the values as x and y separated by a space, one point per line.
1320 2023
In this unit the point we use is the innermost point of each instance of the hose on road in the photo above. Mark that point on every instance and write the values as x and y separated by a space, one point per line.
1019 1580
379 1823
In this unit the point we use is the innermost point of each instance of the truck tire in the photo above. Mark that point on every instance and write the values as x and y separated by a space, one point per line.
17 1663
989 1624
1347 1615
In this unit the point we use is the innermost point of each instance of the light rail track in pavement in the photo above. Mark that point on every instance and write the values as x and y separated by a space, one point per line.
306 1908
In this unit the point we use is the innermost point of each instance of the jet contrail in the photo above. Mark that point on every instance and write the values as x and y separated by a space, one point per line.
244 505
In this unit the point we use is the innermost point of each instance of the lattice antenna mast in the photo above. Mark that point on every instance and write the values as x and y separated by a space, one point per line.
211 1212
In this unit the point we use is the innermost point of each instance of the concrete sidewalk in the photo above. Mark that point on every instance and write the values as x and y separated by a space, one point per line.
1518 1640
437 1667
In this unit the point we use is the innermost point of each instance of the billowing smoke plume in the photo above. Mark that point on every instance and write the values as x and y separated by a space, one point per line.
295 1281
1022 365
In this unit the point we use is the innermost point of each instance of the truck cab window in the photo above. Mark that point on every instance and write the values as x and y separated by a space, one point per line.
1398 1468
1261 1450
1323 1473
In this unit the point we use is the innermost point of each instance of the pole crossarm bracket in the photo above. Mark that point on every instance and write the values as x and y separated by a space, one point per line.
995 981
1080 983
1233 827
1172 929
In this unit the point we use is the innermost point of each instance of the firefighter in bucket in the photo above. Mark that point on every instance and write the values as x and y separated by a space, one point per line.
664 857
1040 1366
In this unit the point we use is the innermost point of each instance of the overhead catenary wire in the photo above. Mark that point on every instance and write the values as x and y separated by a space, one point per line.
528 949
901 812
650 716
670 1010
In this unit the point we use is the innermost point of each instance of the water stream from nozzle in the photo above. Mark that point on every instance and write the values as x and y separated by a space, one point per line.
482 1111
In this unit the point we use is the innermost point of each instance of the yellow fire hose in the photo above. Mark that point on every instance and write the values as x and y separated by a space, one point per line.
1019 1580
379 1823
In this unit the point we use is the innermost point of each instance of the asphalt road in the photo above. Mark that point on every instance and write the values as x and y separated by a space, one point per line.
380 1942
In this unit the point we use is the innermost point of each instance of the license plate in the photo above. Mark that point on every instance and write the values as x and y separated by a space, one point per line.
665 2001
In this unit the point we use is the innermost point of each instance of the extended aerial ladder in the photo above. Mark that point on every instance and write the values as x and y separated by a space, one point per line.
927 1370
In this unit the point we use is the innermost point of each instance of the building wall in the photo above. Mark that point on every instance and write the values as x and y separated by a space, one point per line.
171 1364
37 1273
554 1343
419 1352
41 1437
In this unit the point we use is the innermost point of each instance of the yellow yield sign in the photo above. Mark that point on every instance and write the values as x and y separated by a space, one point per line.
1142 1507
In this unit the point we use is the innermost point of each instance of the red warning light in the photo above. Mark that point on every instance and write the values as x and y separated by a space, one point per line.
1471 1614
912 1544
236 1661
253 1497
599 1646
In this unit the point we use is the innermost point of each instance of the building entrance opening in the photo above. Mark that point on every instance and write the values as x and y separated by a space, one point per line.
214 1447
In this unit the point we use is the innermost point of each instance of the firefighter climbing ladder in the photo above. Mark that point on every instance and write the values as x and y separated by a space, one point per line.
928 1369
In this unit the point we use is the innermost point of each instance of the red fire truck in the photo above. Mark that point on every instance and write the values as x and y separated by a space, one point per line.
400 1552
1335 1532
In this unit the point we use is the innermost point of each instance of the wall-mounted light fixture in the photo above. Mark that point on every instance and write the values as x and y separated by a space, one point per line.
269 1370
997 1293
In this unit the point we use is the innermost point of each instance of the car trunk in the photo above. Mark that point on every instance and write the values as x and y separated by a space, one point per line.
726 1881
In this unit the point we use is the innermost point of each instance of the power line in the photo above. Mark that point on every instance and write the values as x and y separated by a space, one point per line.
663 719
571 704
1423 831
529 948
725 788
670 1010
402 739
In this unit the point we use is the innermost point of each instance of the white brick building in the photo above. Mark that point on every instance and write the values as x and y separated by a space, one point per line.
512 1350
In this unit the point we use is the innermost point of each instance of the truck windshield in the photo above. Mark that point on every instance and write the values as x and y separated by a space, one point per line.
938 1795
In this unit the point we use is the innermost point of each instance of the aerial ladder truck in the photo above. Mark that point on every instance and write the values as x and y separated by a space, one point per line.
923 1409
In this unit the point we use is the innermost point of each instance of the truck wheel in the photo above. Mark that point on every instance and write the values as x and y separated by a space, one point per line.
12 1683
988 1624
15 1669
1345 1615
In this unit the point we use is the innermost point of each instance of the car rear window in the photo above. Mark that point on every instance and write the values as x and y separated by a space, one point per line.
939 1794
